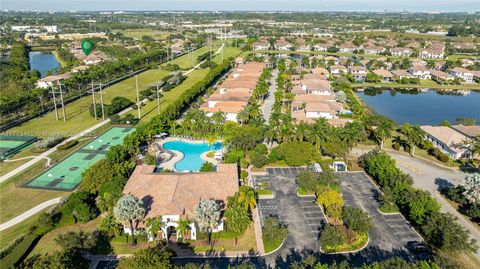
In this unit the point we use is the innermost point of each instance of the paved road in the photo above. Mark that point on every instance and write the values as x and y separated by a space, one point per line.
270 100
432 178
29 213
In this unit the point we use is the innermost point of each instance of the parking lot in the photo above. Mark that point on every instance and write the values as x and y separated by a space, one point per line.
390 232
301 214
305 220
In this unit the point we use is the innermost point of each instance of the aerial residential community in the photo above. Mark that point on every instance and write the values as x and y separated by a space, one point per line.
258 134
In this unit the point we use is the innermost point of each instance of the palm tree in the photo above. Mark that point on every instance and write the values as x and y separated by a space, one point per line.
218 119
400 141
415 137
183 226
129 209
246 197
154 226
473 146
382 132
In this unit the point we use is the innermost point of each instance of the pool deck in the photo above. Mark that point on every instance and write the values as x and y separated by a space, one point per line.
170 164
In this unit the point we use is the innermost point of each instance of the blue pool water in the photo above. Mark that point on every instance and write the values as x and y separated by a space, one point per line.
191 154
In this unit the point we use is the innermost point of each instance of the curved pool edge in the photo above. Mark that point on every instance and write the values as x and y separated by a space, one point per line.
179 156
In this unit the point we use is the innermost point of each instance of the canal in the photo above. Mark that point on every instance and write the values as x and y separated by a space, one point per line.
423 107
43 61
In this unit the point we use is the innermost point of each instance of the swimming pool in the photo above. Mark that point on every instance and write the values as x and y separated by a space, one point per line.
191 154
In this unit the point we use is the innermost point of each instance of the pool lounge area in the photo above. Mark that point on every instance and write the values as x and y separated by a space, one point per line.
189 155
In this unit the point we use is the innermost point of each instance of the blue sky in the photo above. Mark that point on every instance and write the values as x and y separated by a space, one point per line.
295 5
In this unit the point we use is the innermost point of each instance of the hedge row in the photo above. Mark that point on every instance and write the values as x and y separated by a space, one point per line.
12 259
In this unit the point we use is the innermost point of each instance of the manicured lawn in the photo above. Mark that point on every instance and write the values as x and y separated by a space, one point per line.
225 241
150 109
47 243
10 234
6 167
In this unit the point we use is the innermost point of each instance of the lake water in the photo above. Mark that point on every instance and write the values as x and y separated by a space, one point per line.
429 107
43 62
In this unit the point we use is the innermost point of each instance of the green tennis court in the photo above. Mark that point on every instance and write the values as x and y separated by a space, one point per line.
11 144
67 174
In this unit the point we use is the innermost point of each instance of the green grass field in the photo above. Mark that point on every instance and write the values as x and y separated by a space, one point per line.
8 235
139 33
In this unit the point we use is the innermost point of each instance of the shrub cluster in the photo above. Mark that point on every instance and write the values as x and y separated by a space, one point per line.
418 206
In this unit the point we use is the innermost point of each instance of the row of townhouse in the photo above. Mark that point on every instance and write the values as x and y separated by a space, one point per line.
232 95
450 140
415 71
435 49
314 98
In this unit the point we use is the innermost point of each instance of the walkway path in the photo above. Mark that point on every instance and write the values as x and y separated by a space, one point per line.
29 213
432 178
268 103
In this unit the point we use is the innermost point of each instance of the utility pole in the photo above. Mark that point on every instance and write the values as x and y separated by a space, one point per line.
138 98
94 105
61 100
101 102
158 100
55 102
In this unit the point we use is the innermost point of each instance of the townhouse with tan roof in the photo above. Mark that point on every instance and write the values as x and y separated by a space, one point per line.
53 80
348 48
282 44
232 95
320 47
402 52
385 75
174 196
261 45
420 72
337 70
359 73
447 140
462 73
438 75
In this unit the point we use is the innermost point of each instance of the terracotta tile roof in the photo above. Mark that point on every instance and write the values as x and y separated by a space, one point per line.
471 131
179 193
225 106
320 71
441 74
383 73
461 70
323 106
313 98
337 66
447 136
358 68
402 73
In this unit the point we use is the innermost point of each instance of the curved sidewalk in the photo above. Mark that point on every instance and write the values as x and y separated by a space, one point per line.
25 215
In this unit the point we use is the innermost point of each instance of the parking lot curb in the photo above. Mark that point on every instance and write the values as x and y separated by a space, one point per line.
347 252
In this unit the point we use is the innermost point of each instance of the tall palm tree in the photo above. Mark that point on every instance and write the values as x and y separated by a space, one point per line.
400 141
246 197
415 136
382 132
